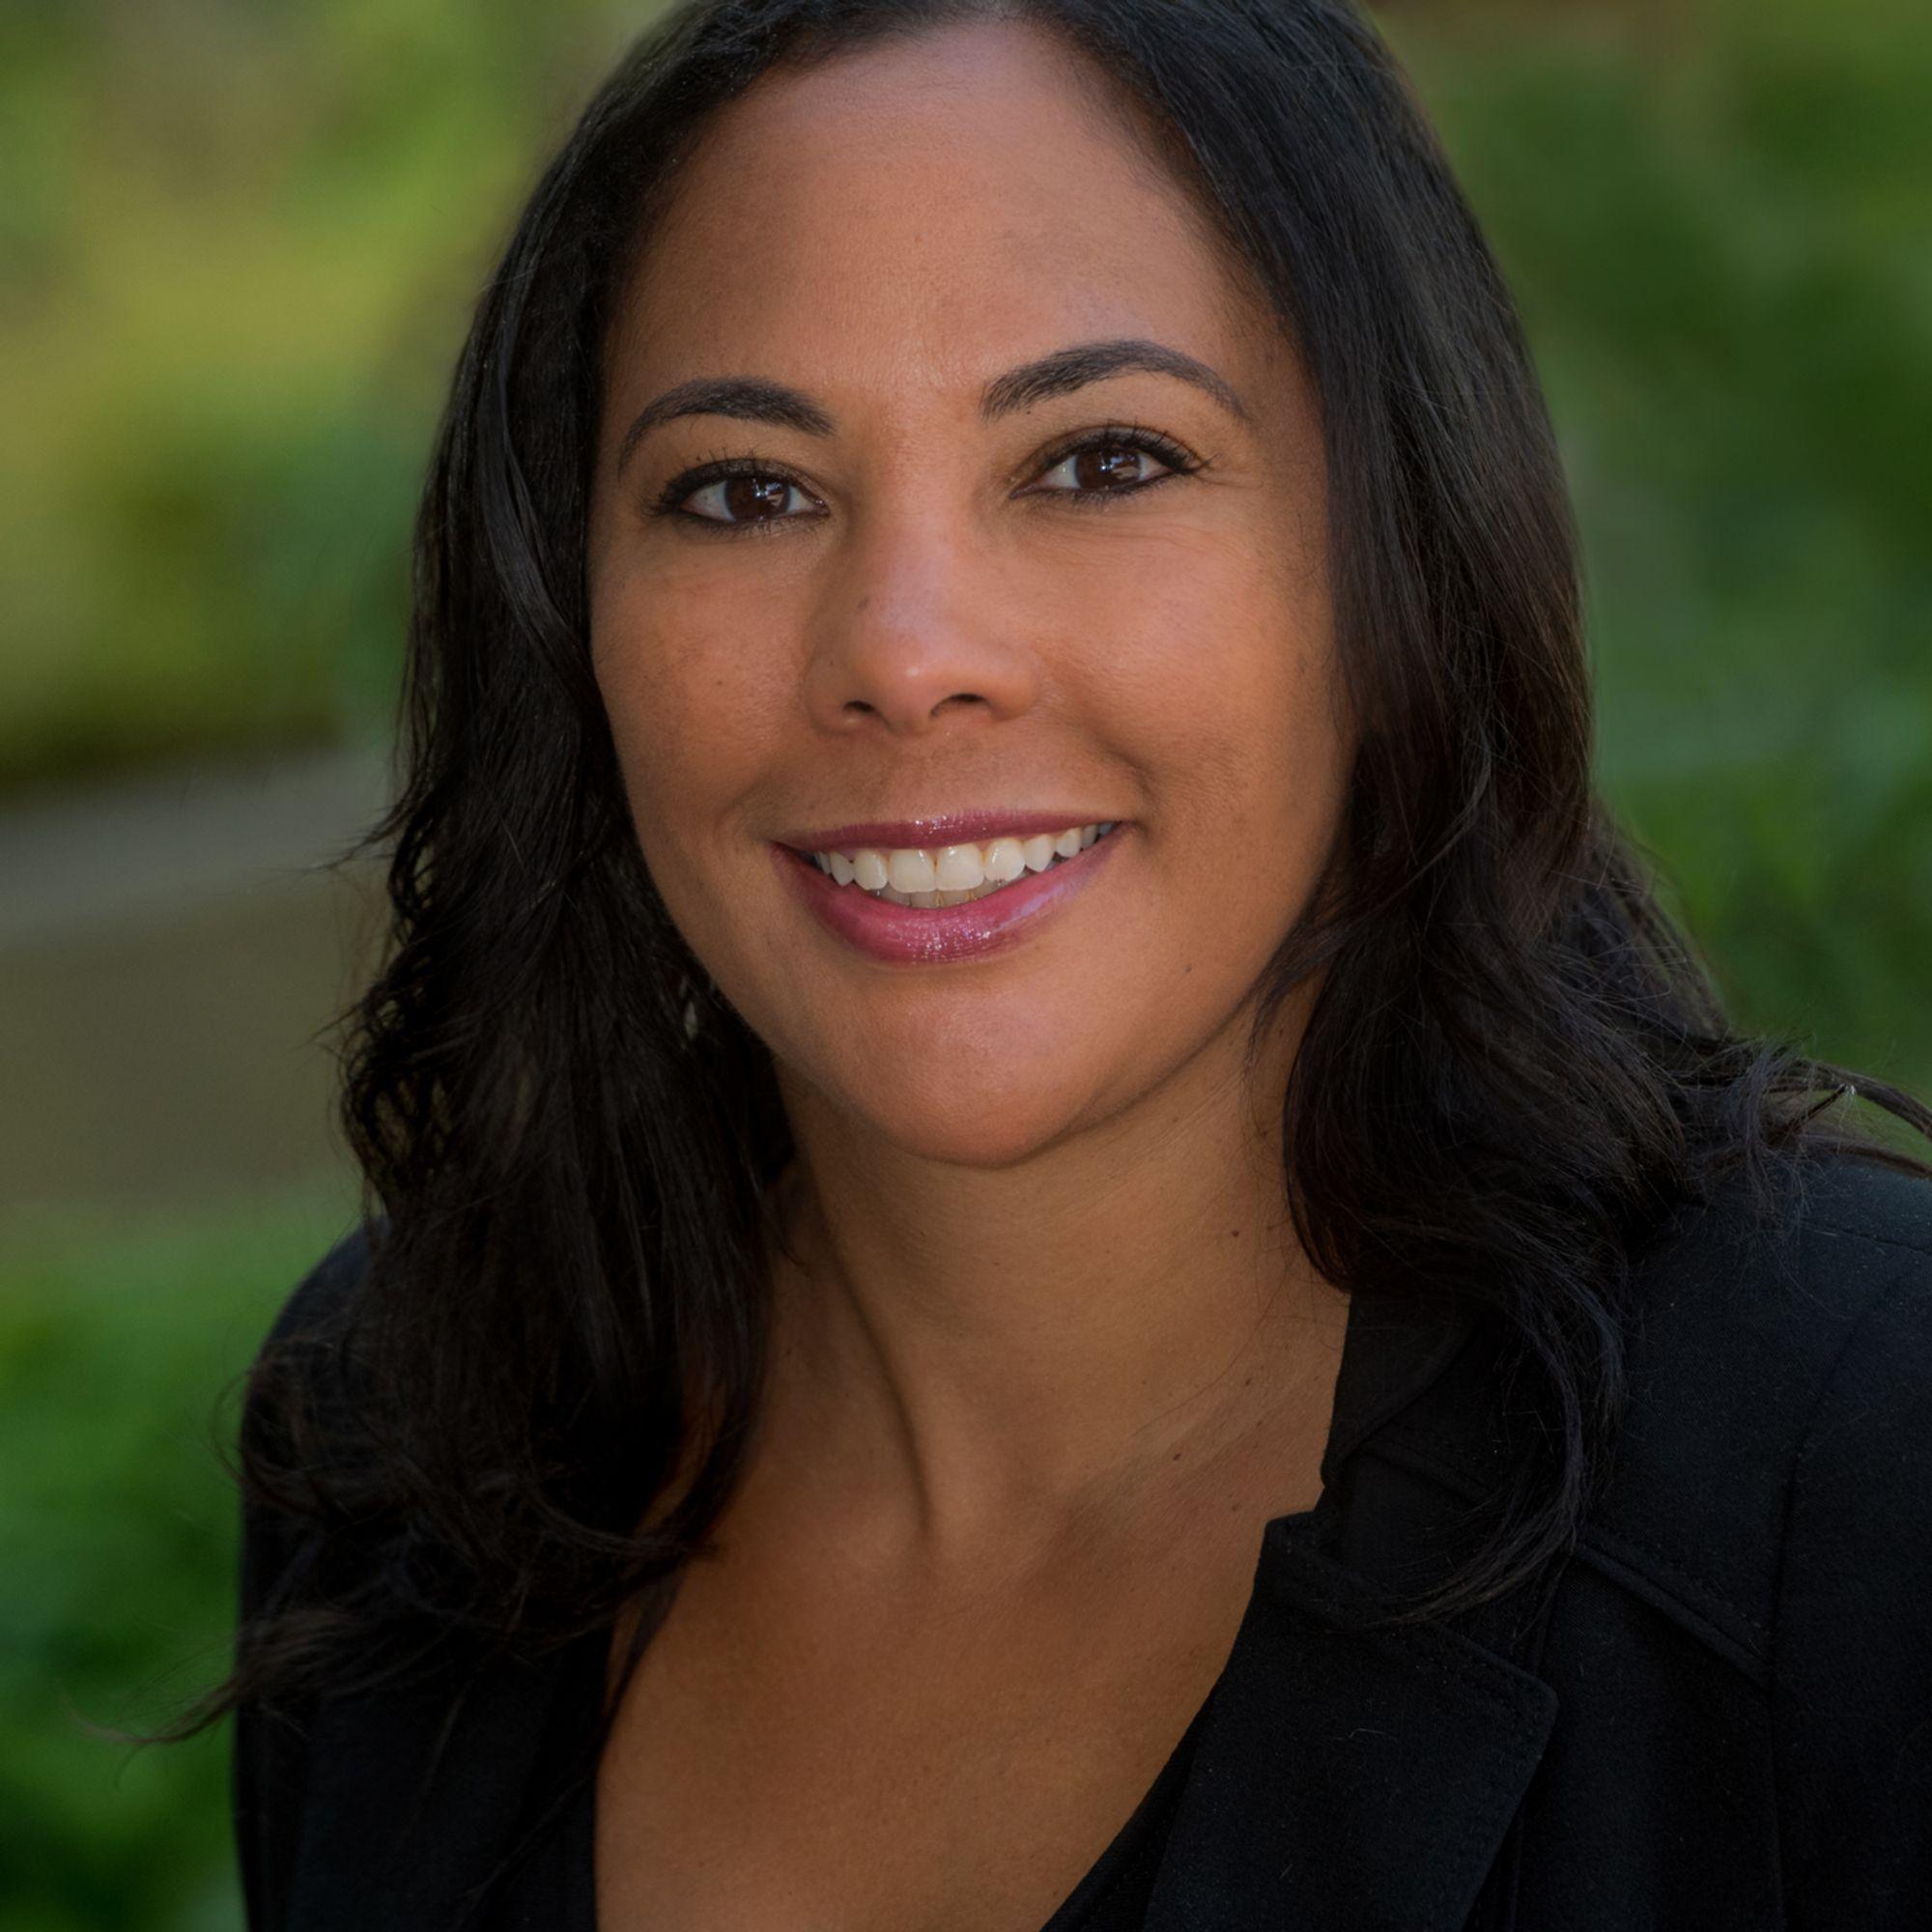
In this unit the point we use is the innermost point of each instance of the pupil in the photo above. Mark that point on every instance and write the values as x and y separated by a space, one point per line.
1095 468
745 496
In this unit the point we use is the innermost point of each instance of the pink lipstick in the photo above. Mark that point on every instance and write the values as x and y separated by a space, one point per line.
931 935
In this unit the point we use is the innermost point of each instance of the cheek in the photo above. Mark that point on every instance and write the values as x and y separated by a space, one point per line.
1220 682
692 715
688 691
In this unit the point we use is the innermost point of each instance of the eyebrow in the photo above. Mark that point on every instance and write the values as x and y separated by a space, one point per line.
753 398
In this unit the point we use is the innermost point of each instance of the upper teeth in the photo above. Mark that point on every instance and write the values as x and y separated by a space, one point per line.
934 872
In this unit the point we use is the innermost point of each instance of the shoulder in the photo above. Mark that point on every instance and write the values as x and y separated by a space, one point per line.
317 1308
1742 1308
298 1376
1851 1604
298 1416
303 1356
1780 1364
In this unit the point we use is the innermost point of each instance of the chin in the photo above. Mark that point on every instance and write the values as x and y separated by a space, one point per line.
991 1114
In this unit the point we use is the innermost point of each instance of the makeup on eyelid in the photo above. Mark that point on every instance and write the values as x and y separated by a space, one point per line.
1133 438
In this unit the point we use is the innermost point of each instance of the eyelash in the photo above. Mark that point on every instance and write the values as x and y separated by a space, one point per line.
1117 436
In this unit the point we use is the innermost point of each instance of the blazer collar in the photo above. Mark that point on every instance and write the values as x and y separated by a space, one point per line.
1343 1776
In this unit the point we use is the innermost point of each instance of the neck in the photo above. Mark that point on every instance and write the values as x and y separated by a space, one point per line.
973 1359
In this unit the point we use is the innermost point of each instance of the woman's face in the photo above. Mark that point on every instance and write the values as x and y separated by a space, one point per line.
924 604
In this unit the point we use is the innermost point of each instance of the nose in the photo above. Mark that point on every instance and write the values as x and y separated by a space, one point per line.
911 637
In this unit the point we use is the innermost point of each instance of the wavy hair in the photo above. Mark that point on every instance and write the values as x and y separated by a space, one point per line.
1514 1066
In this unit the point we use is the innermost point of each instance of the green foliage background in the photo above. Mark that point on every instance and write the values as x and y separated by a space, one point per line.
236 246
117 1348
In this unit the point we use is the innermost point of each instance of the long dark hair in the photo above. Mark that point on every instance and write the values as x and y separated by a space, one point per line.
1514 1069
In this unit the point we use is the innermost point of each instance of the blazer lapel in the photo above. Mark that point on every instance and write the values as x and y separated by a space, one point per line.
1345 1777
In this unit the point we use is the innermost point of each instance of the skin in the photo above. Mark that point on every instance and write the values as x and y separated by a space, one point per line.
1047 1355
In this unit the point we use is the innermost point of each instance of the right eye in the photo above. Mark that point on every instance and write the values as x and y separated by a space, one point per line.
733 495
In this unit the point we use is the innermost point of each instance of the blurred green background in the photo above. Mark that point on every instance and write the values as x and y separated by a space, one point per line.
238 245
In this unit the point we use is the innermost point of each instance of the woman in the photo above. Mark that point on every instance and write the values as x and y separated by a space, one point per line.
1060 1240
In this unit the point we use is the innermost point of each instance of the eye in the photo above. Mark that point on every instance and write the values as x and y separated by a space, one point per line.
1116 462
735 493
743 494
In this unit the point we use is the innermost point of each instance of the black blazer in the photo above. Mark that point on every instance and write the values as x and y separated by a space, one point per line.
1721 1717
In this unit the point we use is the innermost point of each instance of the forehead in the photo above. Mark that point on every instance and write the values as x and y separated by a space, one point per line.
947 203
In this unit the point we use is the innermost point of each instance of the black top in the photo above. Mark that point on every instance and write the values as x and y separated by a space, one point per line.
1721 1716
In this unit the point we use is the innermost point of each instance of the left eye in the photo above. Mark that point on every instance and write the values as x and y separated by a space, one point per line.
1105 465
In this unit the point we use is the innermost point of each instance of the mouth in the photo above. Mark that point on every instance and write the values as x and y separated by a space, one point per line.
910 904
933 876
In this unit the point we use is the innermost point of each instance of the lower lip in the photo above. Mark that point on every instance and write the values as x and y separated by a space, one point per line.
931 935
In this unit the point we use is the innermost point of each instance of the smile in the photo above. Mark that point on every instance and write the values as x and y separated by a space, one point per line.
945 875
926 905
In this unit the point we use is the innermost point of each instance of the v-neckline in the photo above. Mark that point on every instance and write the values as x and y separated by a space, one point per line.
574 1881
1393 1347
